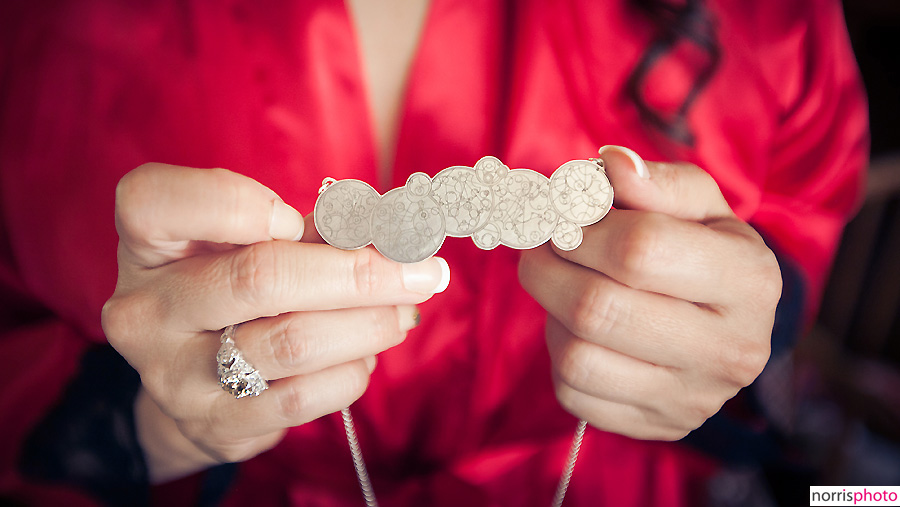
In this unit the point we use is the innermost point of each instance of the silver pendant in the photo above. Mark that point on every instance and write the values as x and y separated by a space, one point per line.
518 208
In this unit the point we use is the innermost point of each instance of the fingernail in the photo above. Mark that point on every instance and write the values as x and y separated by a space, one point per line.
408 317
639 165
371 361
286 222
427 277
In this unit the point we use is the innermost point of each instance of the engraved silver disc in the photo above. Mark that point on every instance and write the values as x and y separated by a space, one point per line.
465 201
490 170
580 192
567 236
488 237
342 214
522 210
407 228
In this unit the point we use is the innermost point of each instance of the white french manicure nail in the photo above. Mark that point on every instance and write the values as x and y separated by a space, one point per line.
285 222
639 165
427 277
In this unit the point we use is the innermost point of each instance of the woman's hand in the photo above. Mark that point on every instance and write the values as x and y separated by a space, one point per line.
664 312
202 249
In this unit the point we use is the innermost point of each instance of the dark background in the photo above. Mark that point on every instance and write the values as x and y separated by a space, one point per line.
846 418
874 27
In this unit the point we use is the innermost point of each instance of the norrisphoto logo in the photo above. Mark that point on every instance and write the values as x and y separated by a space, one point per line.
854 495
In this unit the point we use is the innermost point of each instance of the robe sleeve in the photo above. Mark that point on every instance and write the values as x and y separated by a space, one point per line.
66 430
820 150
40 354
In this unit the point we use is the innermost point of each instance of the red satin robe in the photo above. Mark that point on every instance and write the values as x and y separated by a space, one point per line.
463 412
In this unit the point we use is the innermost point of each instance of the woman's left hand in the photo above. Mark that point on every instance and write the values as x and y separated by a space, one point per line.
666 309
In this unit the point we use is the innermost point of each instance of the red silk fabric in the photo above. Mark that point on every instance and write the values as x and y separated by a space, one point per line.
463 413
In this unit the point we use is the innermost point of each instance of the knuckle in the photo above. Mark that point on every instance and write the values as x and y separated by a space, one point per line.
566 396
133 196
295 405
128 187
236 452
709 408
195 430
670 434
218 441
222 445
762 275
175 404
571 366
708 184
743 360
187 404
642 424
290 346
123 317
654 425
640 247
758 357
300 405
702 409
369 277
232 187
357 384
770 281
124 321
230 453
113 320
383 325
254 273
169 392
595 311
156 381
528 266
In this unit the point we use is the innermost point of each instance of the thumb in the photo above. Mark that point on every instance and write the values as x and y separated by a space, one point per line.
310 233
162 210
681 189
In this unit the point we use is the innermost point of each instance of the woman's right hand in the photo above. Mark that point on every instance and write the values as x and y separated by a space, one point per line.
200 249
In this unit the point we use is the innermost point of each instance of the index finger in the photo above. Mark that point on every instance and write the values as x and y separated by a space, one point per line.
678 189
274 277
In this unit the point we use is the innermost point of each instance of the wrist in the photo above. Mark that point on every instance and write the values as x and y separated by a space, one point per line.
168 453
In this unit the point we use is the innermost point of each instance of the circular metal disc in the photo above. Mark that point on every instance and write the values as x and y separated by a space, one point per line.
342 214
580 192
522 209
465 201
407 229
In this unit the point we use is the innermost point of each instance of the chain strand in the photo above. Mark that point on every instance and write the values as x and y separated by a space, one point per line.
368 492
570 465
362 476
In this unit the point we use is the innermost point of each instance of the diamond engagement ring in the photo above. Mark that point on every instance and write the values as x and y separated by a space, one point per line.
236 375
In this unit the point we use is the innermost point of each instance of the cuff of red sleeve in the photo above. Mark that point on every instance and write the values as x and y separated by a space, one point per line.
88 441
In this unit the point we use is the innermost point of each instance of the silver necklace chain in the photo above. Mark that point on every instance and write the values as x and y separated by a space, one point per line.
350 214
566 476
362 476
368 492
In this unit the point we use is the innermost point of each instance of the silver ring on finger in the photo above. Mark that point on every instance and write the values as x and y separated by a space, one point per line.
236 375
